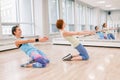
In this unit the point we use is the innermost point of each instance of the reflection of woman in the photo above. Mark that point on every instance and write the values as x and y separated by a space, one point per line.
107 32
100 33
39 59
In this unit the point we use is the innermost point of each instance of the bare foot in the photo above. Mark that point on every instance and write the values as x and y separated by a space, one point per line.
77 58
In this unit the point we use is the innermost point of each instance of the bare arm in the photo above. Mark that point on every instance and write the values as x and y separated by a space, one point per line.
87 32
78 33
113 29
110 29
19 42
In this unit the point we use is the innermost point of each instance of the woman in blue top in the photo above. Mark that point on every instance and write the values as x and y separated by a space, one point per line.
39 59
100 33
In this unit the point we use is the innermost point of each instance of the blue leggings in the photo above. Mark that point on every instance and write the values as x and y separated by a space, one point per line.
40 59
82 52
110 36
40 63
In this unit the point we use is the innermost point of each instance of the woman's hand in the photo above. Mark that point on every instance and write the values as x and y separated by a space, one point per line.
44 39
86 33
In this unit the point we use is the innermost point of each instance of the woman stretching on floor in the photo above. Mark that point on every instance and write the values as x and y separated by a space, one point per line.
107 31
69 36
39 59
100 33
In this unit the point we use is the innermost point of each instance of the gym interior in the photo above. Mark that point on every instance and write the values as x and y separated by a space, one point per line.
37 21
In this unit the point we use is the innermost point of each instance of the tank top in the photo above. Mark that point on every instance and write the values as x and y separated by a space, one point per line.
72 39
27 48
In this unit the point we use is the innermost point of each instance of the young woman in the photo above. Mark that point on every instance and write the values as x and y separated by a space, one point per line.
100 33
69 36
39 59
107 32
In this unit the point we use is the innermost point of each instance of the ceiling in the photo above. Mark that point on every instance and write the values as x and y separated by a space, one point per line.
104 4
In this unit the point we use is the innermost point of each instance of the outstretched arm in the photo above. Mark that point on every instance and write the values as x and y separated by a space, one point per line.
113 29
104 30
19 42
66 33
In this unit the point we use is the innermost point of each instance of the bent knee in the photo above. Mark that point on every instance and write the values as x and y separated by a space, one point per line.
85 57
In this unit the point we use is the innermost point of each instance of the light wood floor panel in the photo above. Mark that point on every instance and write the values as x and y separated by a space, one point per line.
104 64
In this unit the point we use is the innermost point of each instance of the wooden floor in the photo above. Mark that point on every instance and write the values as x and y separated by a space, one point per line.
104 64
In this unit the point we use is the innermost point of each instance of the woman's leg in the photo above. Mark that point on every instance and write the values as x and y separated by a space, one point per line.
77 58
105 35
75 55
83 54
39 54
34 55
38 65
108 36
112 36
43 55
37 57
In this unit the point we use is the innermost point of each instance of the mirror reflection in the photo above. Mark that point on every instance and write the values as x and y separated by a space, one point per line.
107 33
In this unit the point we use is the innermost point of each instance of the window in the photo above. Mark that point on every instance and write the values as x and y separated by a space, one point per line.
68 14
79 17
6 29
26 17
88 15
53 15
8 11
83 17
17 12
90 18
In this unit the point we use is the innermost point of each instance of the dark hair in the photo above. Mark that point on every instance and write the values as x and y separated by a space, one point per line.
59 23
14 29
96 27
104 25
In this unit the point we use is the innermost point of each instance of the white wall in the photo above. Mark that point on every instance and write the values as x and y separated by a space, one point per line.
96 16
25 13
114 19
25 7
103 17
100 17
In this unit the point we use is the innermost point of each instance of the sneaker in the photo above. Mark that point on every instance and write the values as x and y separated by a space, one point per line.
31 61
25 65
67 58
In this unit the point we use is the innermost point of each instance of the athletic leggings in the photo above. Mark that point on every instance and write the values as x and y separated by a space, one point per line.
110 36
82 52
40 58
